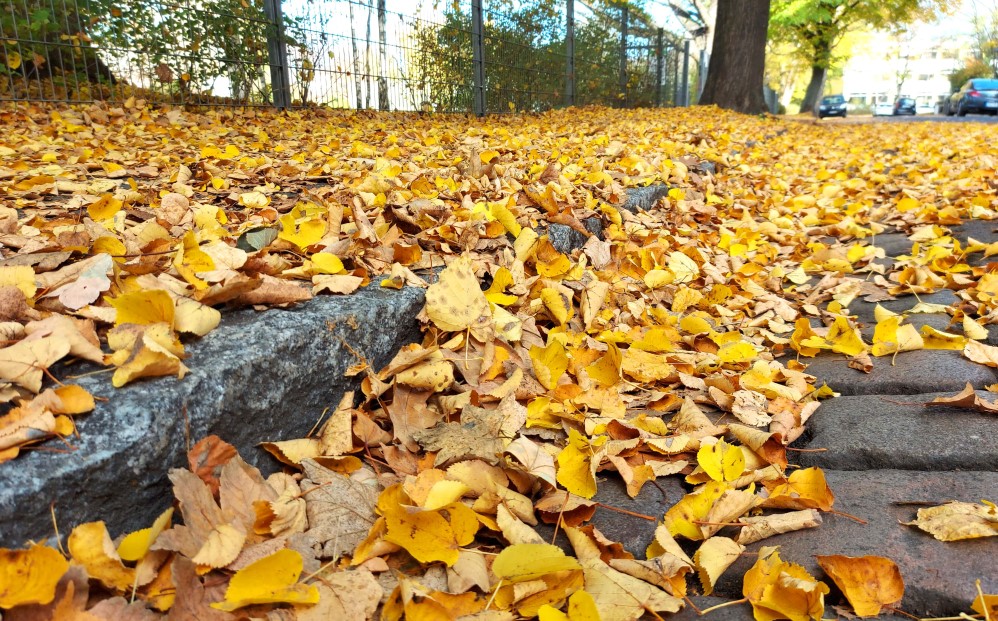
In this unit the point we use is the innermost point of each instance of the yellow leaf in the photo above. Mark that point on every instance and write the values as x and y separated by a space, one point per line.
255 200
803 333
981 353
193 317
75 399
525 244
20 276
427 535
781 590
501 280
935 339
433 375
578 461
135 545
327 263
90 546
713 557
104 208
502 212
549 363
684 268
143 308
606 370
736 352
456 302
685 297
581 607
144 351
955 521
889 338
14 62
658 278
843 338
270 580
528 561
721 461
974 330
560 309
870 583
803 489
30 576
303 234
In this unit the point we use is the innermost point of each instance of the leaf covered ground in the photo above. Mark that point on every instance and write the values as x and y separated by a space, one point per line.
675 344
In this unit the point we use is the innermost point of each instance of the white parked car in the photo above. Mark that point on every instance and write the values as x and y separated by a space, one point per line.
883 109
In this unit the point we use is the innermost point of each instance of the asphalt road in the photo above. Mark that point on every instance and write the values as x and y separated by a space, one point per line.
935 118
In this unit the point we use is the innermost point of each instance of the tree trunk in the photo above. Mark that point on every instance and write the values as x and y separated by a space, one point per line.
814 89
383 59
738 57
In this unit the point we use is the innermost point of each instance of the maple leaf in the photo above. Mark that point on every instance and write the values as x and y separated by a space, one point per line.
479 435
340 508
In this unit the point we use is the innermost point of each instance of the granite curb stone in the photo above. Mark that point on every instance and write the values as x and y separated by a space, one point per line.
939 576
873 432
914 372
257 377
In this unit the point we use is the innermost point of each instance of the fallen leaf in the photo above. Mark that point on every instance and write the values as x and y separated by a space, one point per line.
955 521
273 579
870 583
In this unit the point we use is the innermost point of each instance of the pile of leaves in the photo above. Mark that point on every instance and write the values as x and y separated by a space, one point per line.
674 344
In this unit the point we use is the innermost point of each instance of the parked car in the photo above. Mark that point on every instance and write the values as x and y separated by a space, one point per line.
904 105
883 108
832 105
979 96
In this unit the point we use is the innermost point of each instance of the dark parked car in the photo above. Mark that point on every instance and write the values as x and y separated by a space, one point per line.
979 96
833 105
904 105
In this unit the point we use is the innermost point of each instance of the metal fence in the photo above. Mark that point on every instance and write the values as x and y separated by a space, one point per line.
481 56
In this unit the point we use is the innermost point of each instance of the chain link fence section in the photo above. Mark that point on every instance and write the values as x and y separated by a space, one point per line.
474 56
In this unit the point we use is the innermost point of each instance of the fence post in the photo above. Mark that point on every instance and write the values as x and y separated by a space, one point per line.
675 74
277 51
623 55
570 52
684 86
659 65
478 56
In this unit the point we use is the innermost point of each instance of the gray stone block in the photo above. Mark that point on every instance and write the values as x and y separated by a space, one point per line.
565 239
939 576
873 432
257 377
982 230
914 372
644 198
894 244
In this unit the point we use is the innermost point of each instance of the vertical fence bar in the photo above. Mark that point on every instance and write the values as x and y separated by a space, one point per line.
478 56
569 52
684 85
623 55
675 75
280 80
659 65
701 73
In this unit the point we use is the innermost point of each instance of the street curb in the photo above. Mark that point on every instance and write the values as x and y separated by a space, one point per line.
257 377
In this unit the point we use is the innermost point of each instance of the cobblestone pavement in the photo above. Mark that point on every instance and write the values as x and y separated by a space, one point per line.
884 454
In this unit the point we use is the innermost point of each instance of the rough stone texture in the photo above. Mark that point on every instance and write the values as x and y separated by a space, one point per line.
258 376
565 239
873 431
939 576
634 533
894 244
644 198
915 372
